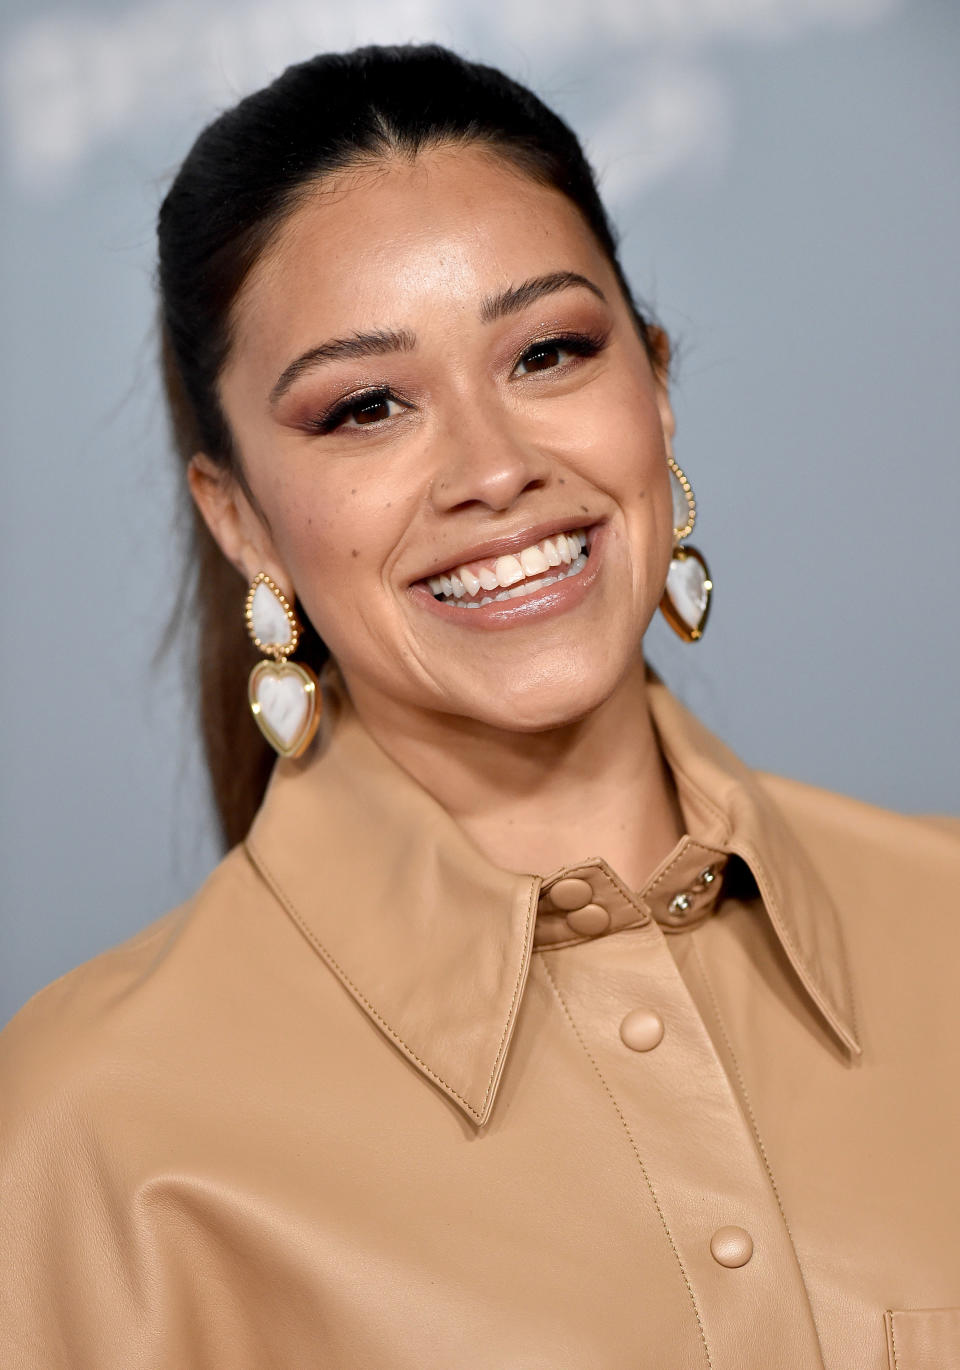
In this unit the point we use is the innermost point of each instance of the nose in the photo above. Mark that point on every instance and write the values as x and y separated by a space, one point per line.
484 462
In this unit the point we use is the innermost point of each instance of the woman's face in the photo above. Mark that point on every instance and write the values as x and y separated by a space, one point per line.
434 377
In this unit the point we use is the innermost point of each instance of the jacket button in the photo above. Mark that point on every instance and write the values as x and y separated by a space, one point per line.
589 920
570 894
642 1029
731 1246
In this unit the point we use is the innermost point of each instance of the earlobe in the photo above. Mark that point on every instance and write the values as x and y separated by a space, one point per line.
233 523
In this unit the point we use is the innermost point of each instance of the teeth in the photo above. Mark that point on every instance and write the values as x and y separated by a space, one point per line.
528 587
509 576
533 560
508 570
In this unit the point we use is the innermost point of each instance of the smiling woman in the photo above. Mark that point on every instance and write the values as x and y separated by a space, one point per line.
522 1025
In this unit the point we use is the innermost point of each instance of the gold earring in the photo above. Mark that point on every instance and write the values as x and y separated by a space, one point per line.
686 595
284 696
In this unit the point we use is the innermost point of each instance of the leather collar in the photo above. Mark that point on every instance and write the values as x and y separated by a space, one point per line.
397 900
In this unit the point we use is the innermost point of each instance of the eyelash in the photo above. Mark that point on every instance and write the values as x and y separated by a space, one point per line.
582 345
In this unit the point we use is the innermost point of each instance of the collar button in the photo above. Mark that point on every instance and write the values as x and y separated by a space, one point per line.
570 894
678 908
589 921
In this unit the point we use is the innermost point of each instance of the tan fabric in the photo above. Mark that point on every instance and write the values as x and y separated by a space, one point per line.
367 1101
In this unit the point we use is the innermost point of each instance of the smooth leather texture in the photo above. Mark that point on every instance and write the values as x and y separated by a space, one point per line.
923 1338
364 1101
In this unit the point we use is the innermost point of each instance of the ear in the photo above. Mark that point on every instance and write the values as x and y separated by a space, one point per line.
236 526
660 352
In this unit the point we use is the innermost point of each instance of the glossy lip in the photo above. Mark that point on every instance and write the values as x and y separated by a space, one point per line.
509 613
508 544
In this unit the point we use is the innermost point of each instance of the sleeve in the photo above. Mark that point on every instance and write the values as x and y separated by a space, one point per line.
71 1293
81 1276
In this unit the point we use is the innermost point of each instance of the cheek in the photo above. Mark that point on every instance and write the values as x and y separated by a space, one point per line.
335 541
623 452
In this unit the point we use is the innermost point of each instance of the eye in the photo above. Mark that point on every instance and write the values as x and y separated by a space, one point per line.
370 407
554 352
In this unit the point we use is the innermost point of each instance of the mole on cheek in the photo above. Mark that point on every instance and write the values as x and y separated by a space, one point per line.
354 552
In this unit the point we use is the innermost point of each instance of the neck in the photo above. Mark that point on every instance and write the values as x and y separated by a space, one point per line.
534 802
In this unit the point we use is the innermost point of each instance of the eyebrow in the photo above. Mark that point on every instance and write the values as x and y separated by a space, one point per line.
338 349
517 297
493 307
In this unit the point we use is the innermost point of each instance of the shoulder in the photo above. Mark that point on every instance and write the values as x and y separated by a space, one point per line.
873 858
89 1030
832 819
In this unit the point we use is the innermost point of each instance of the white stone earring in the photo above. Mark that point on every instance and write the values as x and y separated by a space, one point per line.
686 595
284 696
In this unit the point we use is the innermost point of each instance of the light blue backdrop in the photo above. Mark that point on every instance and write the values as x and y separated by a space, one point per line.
785 176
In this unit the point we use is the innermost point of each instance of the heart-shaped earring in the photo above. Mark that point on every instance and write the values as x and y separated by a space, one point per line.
284 695
686 596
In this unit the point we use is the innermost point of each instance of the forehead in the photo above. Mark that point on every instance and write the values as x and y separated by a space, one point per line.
381 244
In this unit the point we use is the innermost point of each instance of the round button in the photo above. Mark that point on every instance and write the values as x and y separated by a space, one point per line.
642 1029
591 919
570 894
731 1246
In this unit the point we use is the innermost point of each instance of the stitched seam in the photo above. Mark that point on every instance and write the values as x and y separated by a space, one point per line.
753 1122
643 1169
589 866
740 1080
332 961
641 922
747 851
742 848
849 979
615 880
679 774
711 851
531 904
893 1341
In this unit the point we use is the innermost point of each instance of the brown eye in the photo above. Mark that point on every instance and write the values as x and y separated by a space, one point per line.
564 351
541 357
369 411
370 408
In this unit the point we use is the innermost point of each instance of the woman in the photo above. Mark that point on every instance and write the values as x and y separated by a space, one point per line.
523 1025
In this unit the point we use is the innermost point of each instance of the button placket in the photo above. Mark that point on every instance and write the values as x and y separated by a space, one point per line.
666 1086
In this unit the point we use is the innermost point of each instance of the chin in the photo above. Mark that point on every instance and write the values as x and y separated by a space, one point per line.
541 705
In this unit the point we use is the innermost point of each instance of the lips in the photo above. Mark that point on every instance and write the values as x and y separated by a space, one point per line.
500 563
533 599
509 575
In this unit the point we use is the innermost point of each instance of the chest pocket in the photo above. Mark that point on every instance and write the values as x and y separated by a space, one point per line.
923 1338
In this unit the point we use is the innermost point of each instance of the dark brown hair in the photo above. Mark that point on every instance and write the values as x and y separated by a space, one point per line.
244 175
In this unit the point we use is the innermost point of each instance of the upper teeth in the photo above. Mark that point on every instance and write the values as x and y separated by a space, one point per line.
502 572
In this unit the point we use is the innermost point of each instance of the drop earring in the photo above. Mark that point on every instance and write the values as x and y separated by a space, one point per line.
284 695
686 596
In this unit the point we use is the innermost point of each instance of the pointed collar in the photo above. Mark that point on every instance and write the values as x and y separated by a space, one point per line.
396 899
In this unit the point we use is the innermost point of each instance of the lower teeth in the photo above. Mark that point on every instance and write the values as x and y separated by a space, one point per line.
529 587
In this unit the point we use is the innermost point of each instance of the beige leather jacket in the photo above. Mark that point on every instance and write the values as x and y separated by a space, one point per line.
369 1102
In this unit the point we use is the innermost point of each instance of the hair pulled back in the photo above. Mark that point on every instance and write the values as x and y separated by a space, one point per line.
245 173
